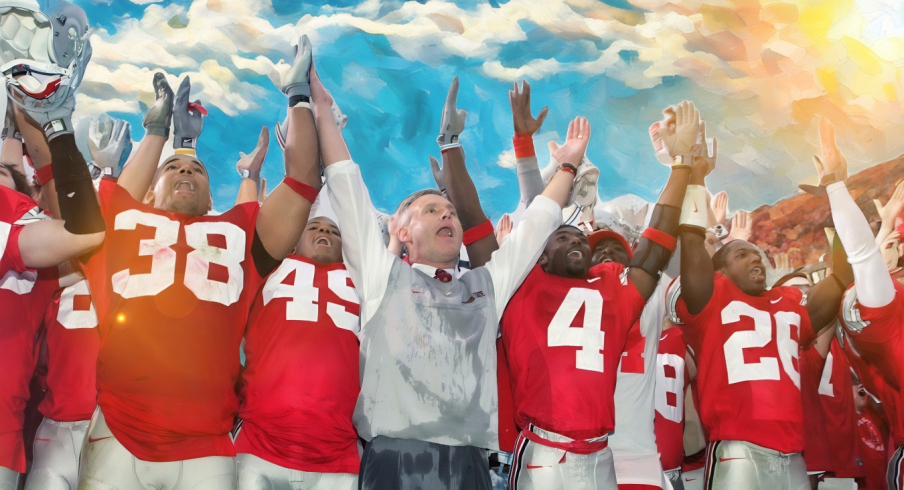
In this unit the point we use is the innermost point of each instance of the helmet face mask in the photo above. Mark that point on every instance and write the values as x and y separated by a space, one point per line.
43 56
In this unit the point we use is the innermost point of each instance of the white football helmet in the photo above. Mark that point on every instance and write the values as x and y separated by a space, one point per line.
43 56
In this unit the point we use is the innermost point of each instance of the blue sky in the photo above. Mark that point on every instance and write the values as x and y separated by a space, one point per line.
388 64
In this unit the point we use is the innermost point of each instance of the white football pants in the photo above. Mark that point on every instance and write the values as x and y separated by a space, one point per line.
259 474
56 451
107 465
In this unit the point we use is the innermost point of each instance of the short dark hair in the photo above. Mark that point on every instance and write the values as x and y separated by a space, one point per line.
720 261
19 180
408 201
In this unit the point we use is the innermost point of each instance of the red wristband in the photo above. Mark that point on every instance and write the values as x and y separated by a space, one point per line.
478 232
524 145
302 189
44 174
661 238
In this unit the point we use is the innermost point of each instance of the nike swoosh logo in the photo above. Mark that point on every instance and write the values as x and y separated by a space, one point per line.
531 467
593 280
689 479
93 439
415 292
42 440
722 460
776 301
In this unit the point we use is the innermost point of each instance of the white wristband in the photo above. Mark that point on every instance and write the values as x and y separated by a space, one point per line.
693 210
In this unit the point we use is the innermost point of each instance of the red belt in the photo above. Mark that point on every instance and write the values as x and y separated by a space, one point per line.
576 447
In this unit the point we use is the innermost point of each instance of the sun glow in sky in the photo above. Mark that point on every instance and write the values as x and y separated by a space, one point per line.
762 73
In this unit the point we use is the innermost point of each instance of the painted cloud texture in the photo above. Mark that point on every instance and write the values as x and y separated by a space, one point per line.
761 72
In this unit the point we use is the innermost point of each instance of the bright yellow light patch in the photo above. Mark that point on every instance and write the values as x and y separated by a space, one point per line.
862 55
121 318
827 79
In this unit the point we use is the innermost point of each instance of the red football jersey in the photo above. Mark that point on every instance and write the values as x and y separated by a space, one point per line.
816 442
172 294
672 380
746 349
837 398
24 295
562 336
72 341
300 383
874 383
873 434
877 339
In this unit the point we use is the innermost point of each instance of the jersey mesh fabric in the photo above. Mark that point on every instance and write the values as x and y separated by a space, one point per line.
24 295
72 342
669 421
172 294
837 398
756 398
816 441
300 383
550 389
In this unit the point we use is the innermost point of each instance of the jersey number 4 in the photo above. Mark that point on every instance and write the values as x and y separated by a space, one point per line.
305 295
589 337
767 368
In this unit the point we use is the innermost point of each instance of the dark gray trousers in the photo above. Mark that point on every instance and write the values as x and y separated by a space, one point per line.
413 465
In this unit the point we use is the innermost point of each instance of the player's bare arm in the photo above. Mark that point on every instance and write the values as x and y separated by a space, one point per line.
138 174
83 224
679 141
249 168
458 184
284 212
697 272
39 154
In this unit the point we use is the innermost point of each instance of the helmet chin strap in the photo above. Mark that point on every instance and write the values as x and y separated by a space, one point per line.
35 88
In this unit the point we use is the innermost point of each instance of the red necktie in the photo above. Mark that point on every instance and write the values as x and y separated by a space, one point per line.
442 276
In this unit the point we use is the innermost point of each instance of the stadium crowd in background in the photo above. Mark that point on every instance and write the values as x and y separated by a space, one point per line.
304 340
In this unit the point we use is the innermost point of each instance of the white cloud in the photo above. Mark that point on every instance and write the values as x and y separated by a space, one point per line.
145 2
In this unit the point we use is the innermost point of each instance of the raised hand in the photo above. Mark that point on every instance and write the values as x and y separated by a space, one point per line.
296 81
110 144
889 249
576 141
159 117
438 175
249 166
834 165
706 156
782 261
720 206
188 118
519 99
320 96
453 122
892 209
741 226
679 132
503 228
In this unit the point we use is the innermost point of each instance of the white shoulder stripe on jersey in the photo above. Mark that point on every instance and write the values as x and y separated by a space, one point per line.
32 216
850 312
672 299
